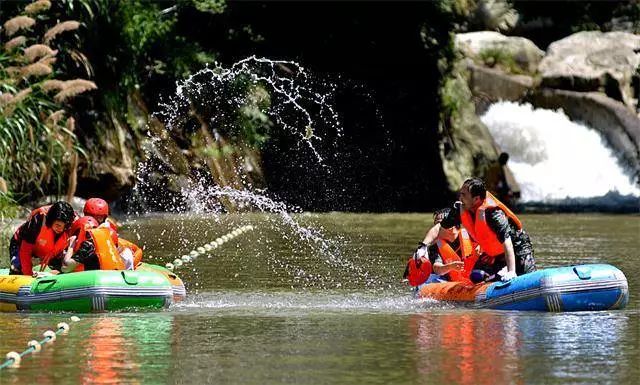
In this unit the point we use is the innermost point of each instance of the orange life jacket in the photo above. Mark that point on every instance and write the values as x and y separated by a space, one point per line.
418 273
137 252
467 255
106 251
479 229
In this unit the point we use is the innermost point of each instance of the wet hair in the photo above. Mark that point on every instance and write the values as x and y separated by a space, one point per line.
60 211
439 215
476 187
503 158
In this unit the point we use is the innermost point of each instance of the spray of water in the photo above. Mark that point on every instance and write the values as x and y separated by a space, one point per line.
300 106
283 222
297 98
553 157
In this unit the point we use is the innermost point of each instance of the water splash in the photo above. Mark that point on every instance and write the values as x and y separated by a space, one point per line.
305 303
296 95
300 105
554 158
329 250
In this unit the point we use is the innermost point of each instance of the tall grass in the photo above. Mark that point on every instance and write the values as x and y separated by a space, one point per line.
37 144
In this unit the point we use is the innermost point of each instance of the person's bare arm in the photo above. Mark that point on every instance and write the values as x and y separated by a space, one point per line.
509 255
68 263
441 269
431 235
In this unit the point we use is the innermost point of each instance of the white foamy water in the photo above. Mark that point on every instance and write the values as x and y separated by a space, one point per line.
304 303
553 157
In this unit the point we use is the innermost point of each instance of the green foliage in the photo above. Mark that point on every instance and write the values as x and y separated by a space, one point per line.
452 97
211 6
252 123
496 57
9 208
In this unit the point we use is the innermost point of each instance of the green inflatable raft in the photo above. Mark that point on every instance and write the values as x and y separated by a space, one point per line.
151 287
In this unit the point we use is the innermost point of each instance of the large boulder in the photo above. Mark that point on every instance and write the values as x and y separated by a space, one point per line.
467 148
489 85
512 53
594 61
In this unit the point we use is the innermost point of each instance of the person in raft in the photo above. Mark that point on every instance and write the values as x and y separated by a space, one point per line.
450 258
43 236
99 209
95 247
506 247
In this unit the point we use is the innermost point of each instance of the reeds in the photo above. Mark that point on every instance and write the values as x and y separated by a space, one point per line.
15 42
38 146
73 88
52 85
17 23
38 51
59 28
37 7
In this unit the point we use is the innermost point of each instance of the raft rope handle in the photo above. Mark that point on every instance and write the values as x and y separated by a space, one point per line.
193 254
14 358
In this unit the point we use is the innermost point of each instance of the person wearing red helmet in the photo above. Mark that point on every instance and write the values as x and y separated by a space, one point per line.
98 250
99 209
96 208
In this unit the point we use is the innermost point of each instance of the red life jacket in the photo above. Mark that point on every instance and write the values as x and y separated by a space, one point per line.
479 229
48 244
107 252
82 236
418 273
466 254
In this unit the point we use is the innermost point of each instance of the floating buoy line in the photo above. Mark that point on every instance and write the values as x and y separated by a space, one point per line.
195 253
13 359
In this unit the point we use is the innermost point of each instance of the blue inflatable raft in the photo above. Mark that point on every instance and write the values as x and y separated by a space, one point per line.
571 288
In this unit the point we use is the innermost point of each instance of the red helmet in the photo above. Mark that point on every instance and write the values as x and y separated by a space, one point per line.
96 207
84 223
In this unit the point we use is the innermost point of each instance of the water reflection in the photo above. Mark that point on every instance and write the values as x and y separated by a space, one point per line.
464 348
106 356
500 347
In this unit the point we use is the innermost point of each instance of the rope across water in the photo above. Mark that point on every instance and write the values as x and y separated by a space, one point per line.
13 359
208 247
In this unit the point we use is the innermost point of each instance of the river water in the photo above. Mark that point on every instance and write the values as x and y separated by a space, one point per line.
272 307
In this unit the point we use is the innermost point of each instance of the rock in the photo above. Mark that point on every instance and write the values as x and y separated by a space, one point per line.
76 202
489 86
496 15
481 46
594 61
619 126
107 181
3 185
467 148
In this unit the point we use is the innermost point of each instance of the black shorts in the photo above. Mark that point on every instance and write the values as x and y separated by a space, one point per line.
14 257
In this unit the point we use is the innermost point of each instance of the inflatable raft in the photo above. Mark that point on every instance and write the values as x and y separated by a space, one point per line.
148 287
561 289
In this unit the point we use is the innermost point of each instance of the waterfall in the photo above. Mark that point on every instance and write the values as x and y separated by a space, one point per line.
554 158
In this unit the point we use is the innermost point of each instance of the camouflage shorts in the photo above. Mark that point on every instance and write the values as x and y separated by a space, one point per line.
522 247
